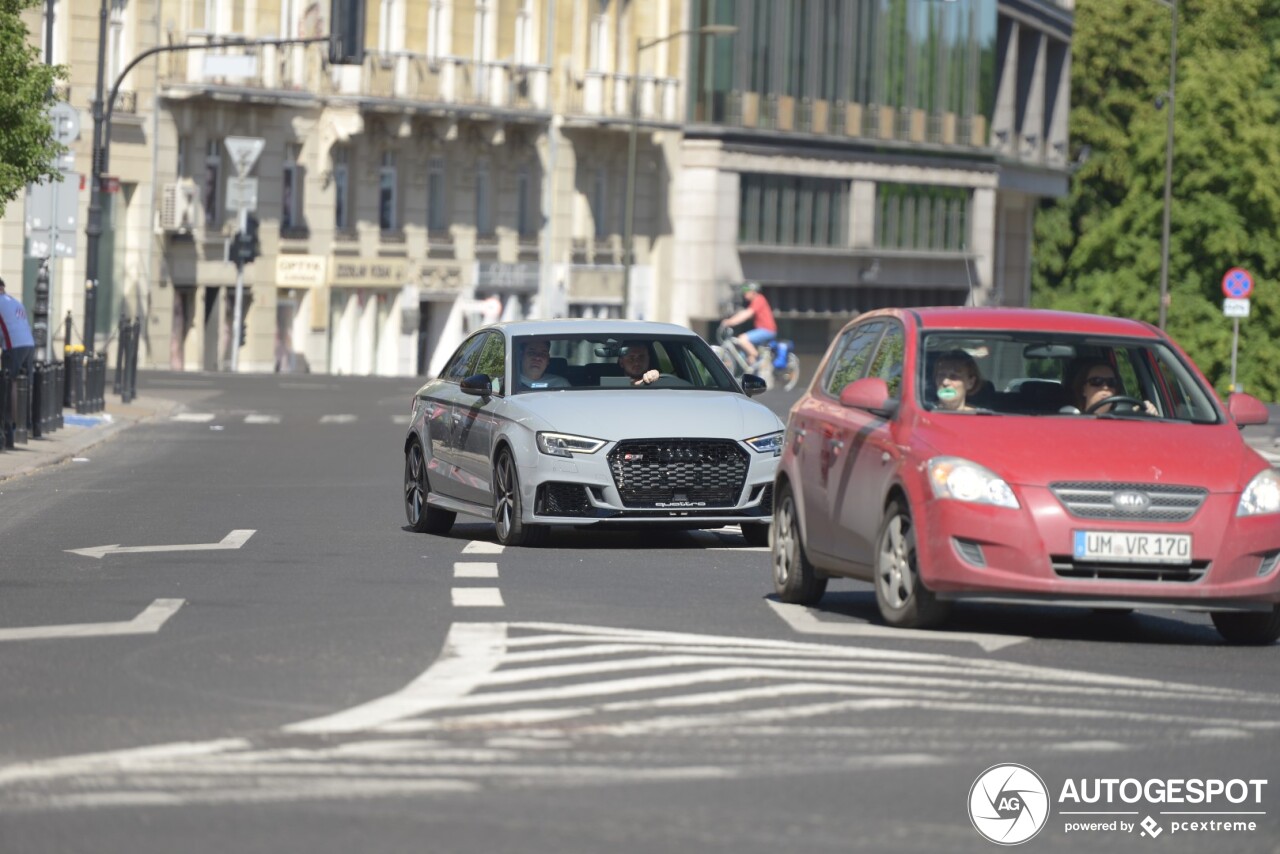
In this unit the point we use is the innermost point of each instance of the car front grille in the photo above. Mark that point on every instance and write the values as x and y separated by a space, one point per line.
678 473
1065 566
1145 502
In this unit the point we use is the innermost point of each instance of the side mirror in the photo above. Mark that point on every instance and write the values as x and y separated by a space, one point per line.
478 384
753 385
1246 409
870 393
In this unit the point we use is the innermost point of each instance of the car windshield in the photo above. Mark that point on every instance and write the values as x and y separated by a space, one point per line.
1029 373
592 362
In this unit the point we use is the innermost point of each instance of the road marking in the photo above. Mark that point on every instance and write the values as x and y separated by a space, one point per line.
482 547
471 652
401 419
806 621
146 623
258 418
337 419
723 538
475 570
233 540
193 417
477 597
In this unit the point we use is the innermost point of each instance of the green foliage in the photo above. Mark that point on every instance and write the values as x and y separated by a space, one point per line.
1099 249
27 148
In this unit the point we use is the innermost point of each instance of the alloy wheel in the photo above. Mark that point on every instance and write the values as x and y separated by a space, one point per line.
894 575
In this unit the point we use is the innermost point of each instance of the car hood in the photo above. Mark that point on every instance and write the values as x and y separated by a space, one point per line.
1037 451
645 413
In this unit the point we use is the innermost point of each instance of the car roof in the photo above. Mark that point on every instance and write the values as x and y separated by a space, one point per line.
589 326
1031 319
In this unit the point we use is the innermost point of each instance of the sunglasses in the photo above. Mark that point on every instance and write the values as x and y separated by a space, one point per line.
1104 382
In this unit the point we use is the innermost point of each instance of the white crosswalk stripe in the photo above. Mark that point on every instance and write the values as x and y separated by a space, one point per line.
515 704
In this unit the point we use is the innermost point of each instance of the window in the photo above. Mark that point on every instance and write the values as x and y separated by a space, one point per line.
492 360
788 210
341 190
387 219
851 358
484 201
922 217
524 203
599 42
526 49
462 364
212 176
291 188
887 364
598 201
437 197
439 28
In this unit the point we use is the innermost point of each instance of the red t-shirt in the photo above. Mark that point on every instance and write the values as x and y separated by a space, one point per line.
764 313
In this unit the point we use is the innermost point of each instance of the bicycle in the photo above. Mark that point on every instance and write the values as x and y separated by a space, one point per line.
767 367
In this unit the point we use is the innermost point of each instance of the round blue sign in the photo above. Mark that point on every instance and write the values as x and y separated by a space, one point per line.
1237 283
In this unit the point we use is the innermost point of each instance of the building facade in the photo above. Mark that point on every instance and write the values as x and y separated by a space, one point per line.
847 154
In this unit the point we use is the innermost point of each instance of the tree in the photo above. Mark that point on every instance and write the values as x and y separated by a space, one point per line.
1098 249
27 149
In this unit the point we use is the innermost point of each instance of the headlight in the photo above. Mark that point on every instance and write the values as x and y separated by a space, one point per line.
770 443
564 445
958 478
1262 495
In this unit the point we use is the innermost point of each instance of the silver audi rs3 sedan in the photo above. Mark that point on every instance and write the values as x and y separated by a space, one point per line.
544 423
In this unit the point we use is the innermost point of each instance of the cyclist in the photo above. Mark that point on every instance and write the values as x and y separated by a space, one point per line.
757 309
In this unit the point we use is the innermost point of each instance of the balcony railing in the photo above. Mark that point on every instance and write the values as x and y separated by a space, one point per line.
401 75
604 94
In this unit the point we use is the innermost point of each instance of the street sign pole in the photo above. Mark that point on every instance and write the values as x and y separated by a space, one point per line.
1235 343
236 321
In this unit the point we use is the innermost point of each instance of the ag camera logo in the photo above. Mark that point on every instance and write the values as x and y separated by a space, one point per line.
1008 804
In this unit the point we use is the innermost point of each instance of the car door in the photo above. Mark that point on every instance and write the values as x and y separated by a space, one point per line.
867 457
817 425
442 403
474 422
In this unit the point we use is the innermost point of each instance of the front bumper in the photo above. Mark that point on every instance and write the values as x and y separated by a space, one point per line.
973 551
583 491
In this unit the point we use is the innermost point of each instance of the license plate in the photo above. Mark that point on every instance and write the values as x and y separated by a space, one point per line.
1130 547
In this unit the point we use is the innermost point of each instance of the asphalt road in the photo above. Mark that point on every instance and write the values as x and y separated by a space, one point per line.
317 678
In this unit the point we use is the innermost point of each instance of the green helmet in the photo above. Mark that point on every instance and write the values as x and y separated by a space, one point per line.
750 288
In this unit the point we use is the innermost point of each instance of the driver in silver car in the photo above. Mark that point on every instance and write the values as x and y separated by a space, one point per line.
634 361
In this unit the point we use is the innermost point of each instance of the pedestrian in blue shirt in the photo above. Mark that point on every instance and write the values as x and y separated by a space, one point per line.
17 351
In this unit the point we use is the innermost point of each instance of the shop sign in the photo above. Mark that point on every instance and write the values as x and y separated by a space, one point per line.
357 273
300 271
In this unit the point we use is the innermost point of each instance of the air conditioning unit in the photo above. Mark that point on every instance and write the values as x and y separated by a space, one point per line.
179 207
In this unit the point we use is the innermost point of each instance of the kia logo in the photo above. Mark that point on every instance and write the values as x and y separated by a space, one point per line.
1131 501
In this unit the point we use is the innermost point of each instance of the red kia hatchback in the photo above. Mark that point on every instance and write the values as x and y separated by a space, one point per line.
1020 455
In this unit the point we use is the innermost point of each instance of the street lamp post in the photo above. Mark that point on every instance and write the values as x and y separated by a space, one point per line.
628 224
1172 6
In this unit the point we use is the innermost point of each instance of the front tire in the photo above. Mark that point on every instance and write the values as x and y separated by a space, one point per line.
508 507
903 599
795 579
790 375
1248 628
423 518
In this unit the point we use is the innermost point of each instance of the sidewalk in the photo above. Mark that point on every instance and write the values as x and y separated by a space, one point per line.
79 433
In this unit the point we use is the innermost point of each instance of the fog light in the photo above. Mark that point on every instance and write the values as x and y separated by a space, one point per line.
1269 564
969 551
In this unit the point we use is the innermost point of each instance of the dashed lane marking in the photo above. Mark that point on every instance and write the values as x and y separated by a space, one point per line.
475 570
482 547
259 418
193 417
337 419
477 597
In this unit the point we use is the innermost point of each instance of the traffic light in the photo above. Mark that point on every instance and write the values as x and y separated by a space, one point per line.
247 246
346 32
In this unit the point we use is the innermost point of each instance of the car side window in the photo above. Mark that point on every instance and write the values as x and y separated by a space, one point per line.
492 360
851 357
887 364
464 359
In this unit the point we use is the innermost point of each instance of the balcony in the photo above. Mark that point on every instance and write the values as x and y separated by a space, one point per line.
607 95
402 76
